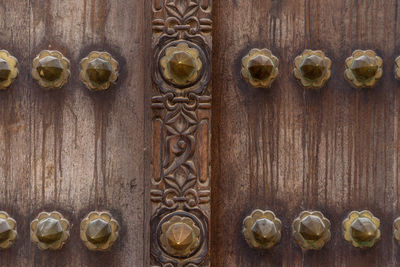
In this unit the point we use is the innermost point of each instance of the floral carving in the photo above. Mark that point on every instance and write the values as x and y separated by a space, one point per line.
181 105
182 18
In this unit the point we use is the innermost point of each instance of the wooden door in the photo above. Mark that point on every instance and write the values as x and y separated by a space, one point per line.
181 153
69 149
290 149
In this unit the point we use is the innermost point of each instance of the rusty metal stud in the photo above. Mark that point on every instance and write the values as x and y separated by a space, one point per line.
49 230
51 69
312 68
180 236
262 230
363 68
181 65
8 230
99 70
99 230
8 69
361 229
311 230
260 67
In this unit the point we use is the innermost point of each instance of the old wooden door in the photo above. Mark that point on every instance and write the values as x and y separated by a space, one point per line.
260 136
69 149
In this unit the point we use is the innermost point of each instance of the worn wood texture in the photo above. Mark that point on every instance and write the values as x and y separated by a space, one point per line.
72 150
288 149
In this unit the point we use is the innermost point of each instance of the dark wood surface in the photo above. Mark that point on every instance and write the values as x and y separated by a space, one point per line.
288 149
71 150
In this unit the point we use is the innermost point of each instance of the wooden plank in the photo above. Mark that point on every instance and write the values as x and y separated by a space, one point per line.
73 150
180 188
15 162
288 149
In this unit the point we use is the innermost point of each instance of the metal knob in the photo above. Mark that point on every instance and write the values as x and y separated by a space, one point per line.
99 70
260 67
361 229
99 230
181 65
51 69
180 236
397 68
311 230
8 230
312 69
262 230
363 68
8 69
49 230
396 229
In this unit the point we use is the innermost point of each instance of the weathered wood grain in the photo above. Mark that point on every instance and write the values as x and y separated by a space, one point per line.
288 149
73 150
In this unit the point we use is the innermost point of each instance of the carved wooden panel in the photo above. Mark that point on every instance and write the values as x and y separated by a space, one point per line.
180 188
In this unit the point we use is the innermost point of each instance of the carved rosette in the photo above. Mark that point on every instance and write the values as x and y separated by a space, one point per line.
180 192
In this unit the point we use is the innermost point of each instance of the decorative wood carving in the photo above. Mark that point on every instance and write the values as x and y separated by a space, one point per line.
180 188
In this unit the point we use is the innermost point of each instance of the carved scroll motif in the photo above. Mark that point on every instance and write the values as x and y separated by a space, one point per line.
180 188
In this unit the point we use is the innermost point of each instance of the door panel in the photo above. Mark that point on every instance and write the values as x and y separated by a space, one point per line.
290 149
70 149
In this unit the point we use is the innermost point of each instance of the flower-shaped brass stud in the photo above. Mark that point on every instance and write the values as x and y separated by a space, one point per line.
50 69
361 229
311 230
8 230
180 236
262 230
99 70
181 65
312 68
260 68
8 69
99 230
49 230
363 68
397 68
396 229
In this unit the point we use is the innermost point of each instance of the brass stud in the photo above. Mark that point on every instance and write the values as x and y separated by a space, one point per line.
312 68
181 64
8 69
262 230
180 236
397 68
51 69
363 68
8 230
99 230
99 70
396 229
311 230
260 67
361 229
49 230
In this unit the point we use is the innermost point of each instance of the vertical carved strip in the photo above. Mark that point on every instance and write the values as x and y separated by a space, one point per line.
180 188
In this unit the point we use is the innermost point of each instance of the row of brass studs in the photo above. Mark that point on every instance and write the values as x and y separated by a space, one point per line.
311 230
50 230
51 70
313 69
